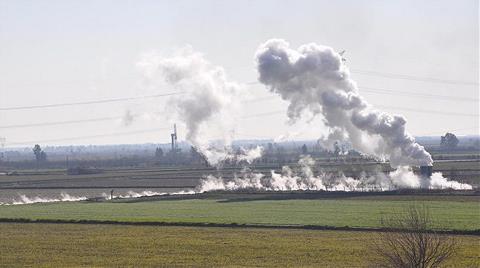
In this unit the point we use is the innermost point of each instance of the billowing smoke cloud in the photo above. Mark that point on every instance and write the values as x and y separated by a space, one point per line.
305 179
314 78
209 105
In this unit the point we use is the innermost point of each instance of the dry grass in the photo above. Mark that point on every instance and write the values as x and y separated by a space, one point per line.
67 245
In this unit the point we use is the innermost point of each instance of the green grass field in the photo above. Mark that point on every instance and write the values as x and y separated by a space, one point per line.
73 245
452 213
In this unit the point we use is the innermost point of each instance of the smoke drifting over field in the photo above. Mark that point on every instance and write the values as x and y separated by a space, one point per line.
64 197
23 199
315 78
209 105
132 194
305 179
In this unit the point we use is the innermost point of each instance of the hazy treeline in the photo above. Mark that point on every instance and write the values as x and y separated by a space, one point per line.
140 155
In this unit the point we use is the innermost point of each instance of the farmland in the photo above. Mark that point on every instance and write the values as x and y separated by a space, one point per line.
267 229
362 211
188 176
56 245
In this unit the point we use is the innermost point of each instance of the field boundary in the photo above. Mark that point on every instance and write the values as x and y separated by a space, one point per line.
229 225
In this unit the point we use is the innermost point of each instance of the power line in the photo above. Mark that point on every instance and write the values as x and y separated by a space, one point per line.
103 119
13 108
90 136
412 94
88 102
381 106
404 77
269 98
414 78
159 129
407 94
263 114
104 135
454 130
425 111
144 131
367 89
100 119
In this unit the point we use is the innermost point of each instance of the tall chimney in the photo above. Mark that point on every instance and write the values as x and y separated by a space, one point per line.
426 171
174 138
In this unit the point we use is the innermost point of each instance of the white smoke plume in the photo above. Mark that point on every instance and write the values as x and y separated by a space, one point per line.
249 155
305 179
132 194
147 193
209 105
64 197
314 78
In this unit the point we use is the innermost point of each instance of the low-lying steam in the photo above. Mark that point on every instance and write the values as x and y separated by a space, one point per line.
147 193
64 197
305 180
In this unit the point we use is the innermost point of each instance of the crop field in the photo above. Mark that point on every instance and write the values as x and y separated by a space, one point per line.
449 212
67 245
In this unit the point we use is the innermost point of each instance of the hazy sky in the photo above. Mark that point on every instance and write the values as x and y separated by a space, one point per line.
74 51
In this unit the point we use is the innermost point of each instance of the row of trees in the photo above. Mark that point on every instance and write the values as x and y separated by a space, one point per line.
273 152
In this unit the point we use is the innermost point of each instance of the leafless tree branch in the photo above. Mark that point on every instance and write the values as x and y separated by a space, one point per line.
409 241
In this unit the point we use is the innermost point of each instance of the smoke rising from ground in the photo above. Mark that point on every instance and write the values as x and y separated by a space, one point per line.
64 197
147 193
209 105
314 78
305 179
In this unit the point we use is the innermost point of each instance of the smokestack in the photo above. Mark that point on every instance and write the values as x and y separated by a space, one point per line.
174 138
426 171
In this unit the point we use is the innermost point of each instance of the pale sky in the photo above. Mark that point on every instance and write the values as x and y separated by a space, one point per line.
74 51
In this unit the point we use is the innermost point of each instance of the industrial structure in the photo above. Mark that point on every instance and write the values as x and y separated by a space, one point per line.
174 139
426 171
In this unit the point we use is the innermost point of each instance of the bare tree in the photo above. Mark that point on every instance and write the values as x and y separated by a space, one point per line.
410 242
